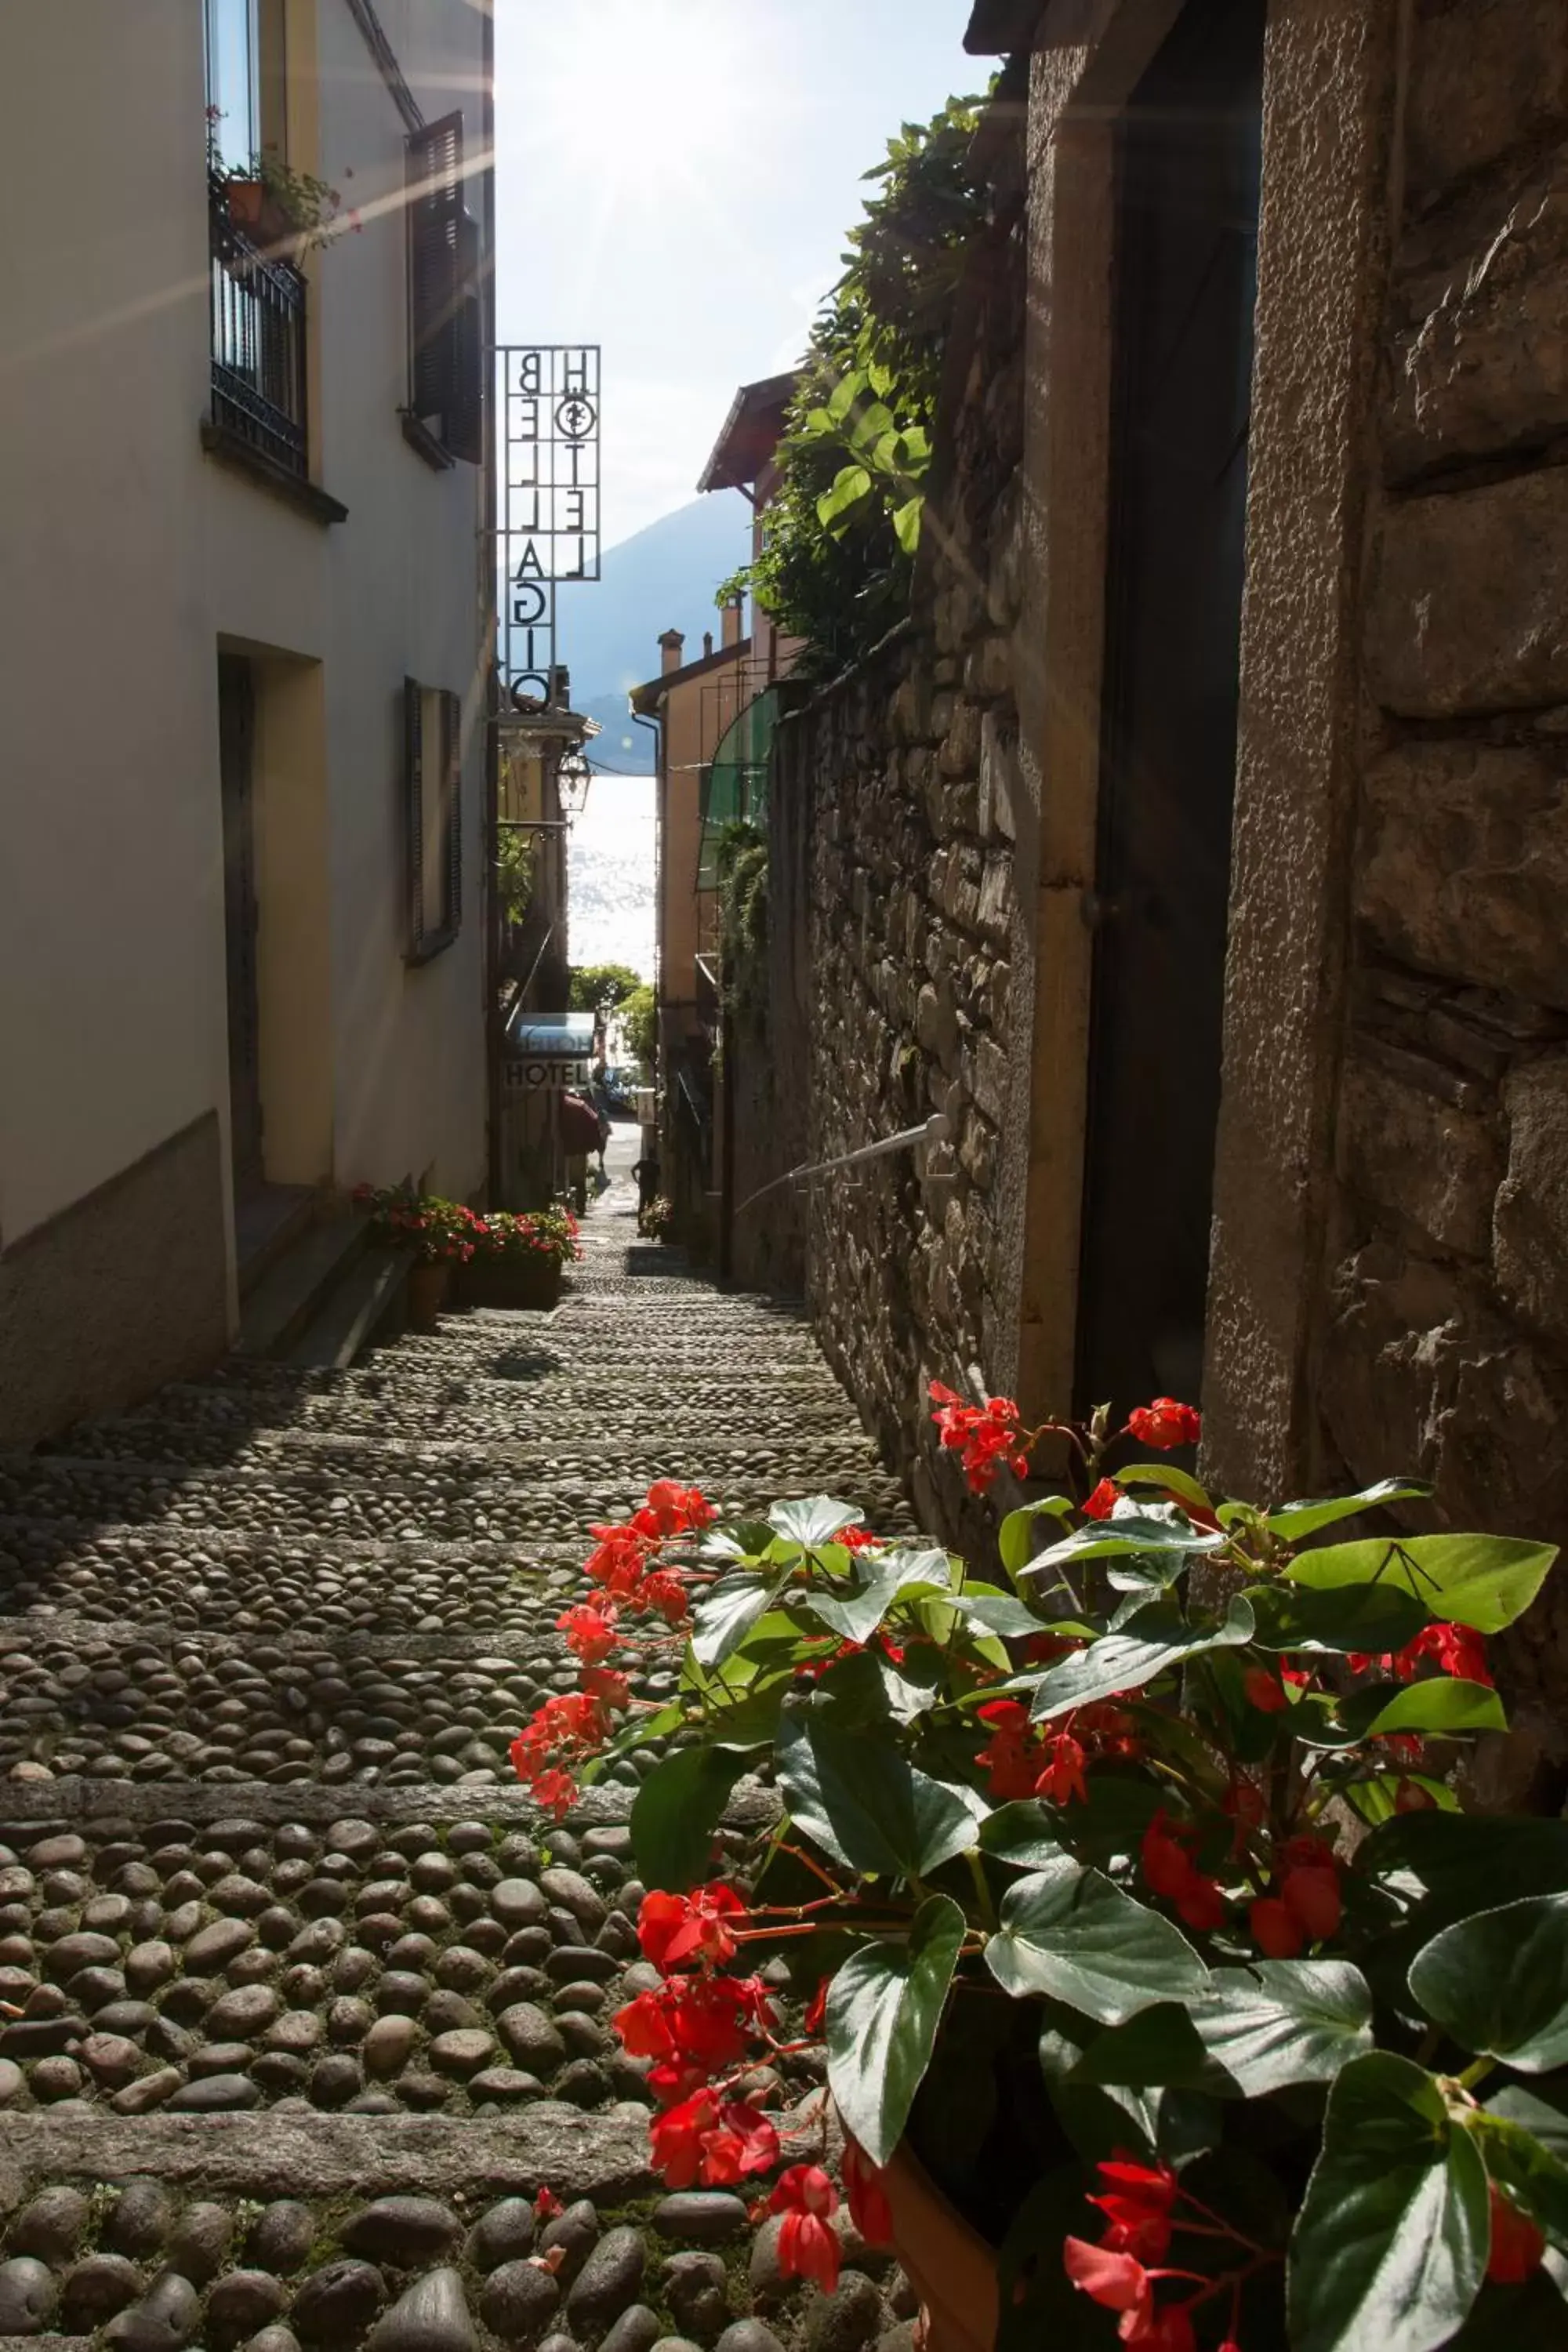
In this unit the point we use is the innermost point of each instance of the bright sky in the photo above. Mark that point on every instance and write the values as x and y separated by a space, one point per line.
673 181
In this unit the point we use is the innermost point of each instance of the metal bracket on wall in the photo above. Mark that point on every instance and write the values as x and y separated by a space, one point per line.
937 1128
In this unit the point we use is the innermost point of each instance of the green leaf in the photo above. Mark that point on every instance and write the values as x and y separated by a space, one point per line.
856 1612
1440 1704
870 425
1481 1581
1377 1800
1038 2304
1156 1639
1499 1983
726 1615
883 2009
865 1804
745 1539
906 521
845 393
1018 1529
998 1613
1022 1834
1377 1618
1068 1932
1296 1521
1459 1863
676 1812
1159 2049
1275 2023
1165 1475
850 485
1541 2108
812 1520
637 1734
1517 2160
1114 1539
1390 2248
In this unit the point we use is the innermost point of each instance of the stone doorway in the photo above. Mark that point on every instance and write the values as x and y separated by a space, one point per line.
1185 218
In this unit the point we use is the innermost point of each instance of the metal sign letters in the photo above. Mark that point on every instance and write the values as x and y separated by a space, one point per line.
548 492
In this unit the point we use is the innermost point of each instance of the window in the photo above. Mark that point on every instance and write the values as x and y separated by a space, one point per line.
244 81
445 311
433 817
234 79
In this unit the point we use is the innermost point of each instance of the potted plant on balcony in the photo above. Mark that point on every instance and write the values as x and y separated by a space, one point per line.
517 1259
277 208
1169 1997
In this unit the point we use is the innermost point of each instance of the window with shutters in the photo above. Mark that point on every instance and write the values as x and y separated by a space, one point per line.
433 817
446 316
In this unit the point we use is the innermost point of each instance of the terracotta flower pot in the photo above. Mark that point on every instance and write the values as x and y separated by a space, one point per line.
428 1289
950 2265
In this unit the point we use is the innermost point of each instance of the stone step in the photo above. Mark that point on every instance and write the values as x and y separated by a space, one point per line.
85 1700
368 1296
287 1931
410 1503
293 1288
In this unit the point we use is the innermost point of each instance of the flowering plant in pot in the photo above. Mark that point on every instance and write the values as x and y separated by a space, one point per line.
657 1222
1127 1887
517 1257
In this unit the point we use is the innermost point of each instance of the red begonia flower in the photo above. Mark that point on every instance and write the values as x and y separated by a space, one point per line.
1103 1501
1165 1423
1119 2282
1062 1780
1264 1691
1312 1898
1137 2204
866 2185
1275 1930
1517 2245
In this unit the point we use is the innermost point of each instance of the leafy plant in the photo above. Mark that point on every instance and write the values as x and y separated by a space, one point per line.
516 862
657 1219
448 1233
639 1020
840 532
741 859
596 984
305 209
1128 1886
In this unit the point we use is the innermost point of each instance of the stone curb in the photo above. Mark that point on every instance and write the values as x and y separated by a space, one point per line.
603 2156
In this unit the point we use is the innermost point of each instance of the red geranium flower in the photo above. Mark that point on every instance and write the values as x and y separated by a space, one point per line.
1165 1423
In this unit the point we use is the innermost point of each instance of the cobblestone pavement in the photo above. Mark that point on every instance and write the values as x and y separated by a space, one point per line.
312 2001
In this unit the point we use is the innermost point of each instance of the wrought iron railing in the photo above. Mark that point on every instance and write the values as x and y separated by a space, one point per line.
257 344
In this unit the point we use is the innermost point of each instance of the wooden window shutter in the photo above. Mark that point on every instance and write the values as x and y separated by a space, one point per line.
433 817
414 810
434 265
464 423
452 795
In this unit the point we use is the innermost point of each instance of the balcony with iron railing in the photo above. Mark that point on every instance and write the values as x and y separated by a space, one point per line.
257 345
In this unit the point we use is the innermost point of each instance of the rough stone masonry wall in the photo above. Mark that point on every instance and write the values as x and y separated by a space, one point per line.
904 766
1445 1340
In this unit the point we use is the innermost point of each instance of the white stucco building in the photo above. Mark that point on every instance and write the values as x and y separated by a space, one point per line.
244 658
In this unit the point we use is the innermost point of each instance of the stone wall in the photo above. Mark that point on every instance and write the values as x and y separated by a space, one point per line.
1443 1336
902 774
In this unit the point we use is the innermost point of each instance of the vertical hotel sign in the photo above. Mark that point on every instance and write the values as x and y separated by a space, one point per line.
548 492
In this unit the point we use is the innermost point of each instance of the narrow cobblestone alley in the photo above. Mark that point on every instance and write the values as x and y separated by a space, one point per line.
286 1940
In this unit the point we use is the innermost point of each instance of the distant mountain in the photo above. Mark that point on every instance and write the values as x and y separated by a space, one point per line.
662 578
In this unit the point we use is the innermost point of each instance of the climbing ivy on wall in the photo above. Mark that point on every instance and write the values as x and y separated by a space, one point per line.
841 532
